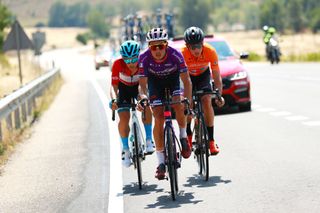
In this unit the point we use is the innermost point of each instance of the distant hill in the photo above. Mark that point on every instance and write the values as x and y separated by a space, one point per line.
31 12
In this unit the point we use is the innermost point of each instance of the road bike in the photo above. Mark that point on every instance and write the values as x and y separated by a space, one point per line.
201 144
171 143
137 143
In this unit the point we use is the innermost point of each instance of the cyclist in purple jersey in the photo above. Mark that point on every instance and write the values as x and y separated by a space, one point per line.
161 67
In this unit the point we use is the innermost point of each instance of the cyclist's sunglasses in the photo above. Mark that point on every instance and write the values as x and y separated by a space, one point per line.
195 46
130 60
155 47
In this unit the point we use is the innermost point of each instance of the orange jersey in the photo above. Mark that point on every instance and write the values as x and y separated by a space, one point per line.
198 65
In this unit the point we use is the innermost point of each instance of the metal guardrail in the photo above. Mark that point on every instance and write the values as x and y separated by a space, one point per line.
18 107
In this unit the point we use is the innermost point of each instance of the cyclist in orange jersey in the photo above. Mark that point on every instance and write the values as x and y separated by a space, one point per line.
202 63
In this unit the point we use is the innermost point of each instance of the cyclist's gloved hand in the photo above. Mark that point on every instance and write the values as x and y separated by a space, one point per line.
219 100
113 104
142 103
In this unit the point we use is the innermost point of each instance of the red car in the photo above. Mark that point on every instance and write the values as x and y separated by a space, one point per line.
235 78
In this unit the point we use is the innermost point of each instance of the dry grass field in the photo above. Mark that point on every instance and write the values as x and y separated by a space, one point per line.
297 44
55 38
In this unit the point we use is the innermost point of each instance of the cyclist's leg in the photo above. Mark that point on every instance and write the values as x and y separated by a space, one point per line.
147 121
180 116
194 81
155 94
182 123
208 111
124 118
159 141
123 125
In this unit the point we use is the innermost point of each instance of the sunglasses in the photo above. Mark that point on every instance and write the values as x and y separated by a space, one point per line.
195 46
130 60
158 46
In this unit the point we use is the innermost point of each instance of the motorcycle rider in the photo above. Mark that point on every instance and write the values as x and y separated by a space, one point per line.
269 33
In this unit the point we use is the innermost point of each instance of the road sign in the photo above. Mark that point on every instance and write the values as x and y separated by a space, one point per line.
17 40
38 38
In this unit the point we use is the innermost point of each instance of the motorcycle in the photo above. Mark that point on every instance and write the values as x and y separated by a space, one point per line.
273 51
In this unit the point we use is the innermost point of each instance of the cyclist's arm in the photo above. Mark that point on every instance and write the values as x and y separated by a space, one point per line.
114 92
216 71
185 78
217 80
116 67
143 87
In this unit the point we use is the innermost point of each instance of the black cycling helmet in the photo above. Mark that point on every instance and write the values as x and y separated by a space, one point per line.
193 35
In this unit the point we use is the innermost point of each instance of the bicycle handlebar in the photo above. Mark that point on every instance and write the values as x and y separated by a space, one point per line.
132 106
215 93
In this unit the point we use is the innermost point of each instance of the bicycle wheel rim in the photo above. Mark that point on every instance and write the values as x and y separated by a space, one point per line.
137 155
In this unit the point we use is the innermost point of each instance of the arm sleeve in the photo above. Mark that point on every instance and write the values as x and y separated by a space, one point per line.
115 72
182 67
143 69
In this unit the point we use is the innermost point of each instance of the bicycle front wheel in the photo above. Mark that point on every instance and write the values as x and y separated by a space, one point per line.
202 149
137 158
171 162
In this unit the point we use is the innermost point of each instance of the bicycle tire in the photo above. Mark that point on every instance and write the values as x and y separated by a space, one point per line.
198 149
171 163
205 145
137 157
203 148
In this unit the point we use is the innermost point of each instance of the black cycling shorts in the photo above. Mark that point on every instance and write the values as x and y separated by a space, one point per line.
157 86
202 82
126 93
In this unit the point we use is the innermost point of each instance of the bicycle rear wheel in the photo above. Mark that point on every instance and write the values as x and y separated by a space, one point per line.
137 158
171 162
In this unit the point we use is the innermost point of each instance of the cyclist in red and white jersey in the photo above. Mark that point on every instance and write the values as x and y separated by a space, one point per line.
125 82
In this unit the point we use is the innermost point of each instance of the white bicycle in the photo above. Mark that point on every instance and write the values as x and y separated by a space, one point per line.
137 143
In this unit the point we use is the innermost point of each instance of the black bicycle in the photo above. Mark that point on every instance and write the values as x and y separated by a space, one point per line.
171 143
138 144
201 145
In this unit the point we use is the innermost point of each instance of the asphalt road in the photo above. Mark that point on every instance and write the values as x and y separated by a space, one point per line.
269 160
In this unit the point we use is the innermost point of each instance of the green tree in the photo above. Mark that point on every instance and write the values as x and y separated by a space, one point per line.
296 16
273 14
5 21
194 13
57 14
76 14
315 20
97 24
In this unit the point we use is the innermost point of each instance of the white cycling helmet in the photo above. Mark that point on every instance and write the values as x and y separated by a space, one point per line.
157 34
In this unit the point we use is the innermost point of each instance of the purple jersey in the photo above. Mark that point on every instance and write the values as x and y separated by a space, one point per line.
171 64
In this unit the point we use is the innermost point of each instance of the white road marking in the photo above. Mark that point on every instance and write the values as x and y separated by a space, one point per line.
255 106
280 113
265 109
297 118
115 203
311 123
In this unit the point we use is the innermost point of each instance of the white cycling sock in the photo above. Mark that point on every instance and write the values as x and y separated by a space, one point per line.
183 133
160 156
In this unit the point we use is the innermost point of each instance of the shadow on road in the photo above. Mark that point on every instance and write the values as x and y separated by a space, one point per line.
133 189
198 181
166 202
